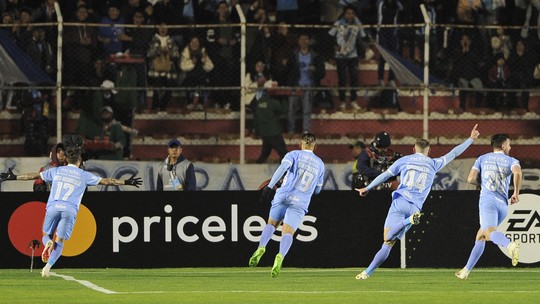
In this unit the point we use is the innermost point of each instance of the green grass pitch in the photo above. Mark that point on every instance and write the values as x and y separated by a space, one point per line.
246 285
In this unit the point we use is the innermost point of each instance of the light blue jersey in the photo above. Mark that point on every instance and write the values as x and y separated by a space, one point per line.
68 186
305 173
417 172
495 170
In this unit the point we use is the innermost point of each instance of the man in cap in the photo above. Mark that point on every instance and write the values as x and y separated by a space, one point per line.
113 133
176 173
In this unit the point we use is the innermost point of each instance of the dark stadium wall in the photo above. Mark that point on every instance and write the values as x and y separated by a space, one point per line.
215 228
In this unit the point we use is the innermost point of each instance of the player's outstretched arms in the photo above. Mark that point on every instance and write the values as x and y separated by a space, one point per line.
11 176
132 181
474 132
362 192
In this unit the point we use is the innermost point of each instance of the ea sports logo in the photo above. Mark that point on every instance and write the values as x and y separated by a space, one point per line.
523 225
26 223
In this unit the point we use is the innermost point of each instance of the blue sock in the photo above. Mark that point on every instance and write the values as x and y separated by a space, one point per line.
266 235
379 258
499 239
45 239
55 254
285 244
476 253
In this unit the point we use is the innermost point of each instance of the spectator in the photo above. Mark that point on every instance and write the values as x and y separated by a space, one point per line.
89 123
6 96
93 16
112 35
58 158
287 11
387 37
35 123
267 112
531 5
306 69
258 38
80 48
149 15
176 173
137 46
466 71
128 9
197 65
170 12
162 55
191 11
521 73
225 53
347 31
125 101
283 44
498 76
40 51
501 44
24 26
257 80
113 133
46 13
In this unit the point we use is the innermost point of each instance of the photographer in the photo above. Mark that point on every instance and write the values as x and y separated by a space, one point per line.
374 160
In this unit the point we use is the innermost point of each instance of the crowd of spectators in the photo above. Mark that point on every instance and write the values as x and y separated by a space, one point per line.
85 43
167 57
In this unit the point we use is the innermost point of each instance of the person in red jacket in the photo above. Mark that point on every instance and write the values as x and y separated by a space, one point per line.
58 158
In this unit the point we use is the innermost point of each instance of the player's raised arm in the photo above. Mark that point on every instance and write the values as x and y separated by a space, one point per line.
474 132
11 176
461 148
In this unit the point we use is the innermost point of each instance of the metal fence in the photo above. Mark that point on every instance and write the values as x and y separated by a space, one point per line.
202 83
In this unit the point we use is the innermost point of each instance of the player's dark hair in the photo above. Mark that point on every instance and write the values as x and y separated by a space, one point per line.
73 154
498 139
422 143
308 138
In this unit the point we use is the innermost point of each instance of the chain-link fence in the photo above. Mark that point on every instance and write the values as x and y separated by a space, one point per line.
211 86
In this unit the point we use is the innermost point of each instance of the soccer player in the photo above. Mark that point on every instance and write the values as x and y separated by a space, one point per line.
304 172
417 172
68 186
496 168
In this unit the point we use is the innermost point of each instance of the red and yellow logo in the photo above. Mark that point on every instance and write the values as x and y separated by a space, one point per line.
26 223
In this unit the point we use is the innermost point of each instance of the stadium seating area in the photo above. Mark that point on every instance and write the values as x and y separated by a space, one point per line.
213 136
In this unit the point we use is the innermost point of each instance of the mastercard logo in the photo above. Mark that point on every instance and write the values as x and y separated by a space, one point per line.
26 224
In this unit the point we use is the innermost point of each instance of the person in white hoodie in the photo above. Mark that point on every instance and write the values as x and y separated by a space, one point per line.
197 65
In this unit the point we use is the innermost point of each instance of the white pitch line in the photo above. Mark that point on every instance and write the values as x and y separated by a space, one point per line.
328 291
84 283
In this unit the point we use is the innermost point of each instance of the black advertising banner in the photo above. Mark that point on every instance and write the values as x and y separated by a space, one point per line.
222 228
